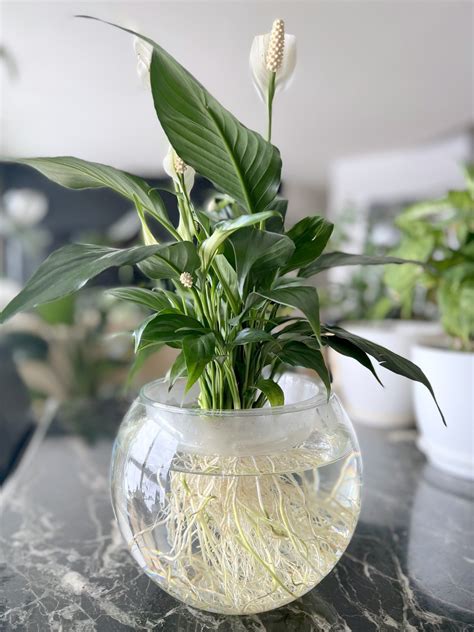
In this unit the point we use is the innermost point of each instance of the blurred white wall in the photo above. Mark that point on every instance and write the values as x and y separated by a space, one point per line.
370 76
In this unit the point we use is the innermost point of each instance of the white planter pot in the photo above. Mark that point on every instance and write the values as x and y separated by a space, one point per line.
451 374
365 400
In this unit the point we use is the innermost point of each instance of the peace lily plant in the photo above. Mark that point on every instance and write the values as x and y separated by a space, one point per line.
235 500
234 271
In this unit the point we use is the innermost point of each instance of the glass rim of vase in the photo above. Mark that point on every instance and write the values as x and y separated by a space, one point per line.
320 398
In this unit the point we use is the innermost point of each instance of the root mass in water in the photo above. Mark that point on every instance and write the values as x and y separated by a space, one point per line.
247 542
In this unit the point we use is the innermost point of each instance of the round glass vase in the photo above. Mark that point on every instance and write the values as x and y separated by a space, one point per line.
236 511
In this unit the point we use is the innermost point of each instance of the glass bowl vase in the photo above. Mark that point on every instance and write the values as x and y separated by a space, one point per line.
241 511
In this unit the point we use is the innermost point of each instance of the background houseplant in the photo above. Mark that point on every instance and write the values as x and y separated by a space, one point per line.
441 233
365 305
219 291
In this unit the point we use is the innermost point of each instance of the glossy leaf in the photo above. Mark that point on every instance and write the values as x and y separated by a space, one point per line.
298 354
258 254
310 236
250 335
349 349
177 370
272 391
74 173
171 260
335 259
224 229
388 359
303 298
66 270
169 328
141 296
198 351
276 224
208 137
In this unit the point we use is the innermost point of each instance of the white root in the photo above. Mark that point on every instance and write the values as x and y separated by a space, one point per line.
247 542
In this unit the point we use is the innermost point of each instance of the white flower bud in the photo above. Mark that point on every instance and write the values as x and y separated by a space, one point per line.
174 166
144 51
186 279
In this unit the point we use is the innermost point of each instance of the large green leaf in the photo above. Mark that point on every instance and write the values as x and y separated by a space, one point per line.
141 296
169 328
257 254
388 359
208 137
349 349
225 229
74 173
335 259
66 270
172 260
198 351
250 335
300 355
303 298
310 236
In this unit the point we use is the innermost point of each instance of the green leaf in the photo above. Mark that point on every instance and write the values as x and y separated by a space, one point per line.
74 173
272 391
66 270
334 259
169 328
349 349
258 254
141 296
228 279
303 298
141 356
172 260
298 354
198 351
249 335
388 359
276 224
224 229
310 237
208 137
177 370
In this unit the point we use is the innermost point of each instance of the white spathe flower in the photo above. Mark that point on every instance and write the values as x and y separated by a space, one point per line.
25 207
144 52
285 59
173 164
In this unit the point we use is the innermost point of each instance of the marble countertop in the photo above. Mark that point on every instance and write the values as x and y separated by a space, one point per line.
64 567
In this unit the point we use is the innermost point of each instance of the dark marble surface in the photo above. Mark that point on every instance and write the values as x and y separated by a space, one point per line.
63 566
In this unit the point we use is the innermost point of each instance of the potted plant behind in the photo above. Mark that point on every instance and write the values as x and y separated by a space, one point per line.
446 228
235 482
366 306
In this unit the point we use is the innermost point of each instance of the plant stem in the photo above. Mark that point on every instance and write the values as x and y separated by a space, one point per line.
270 95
